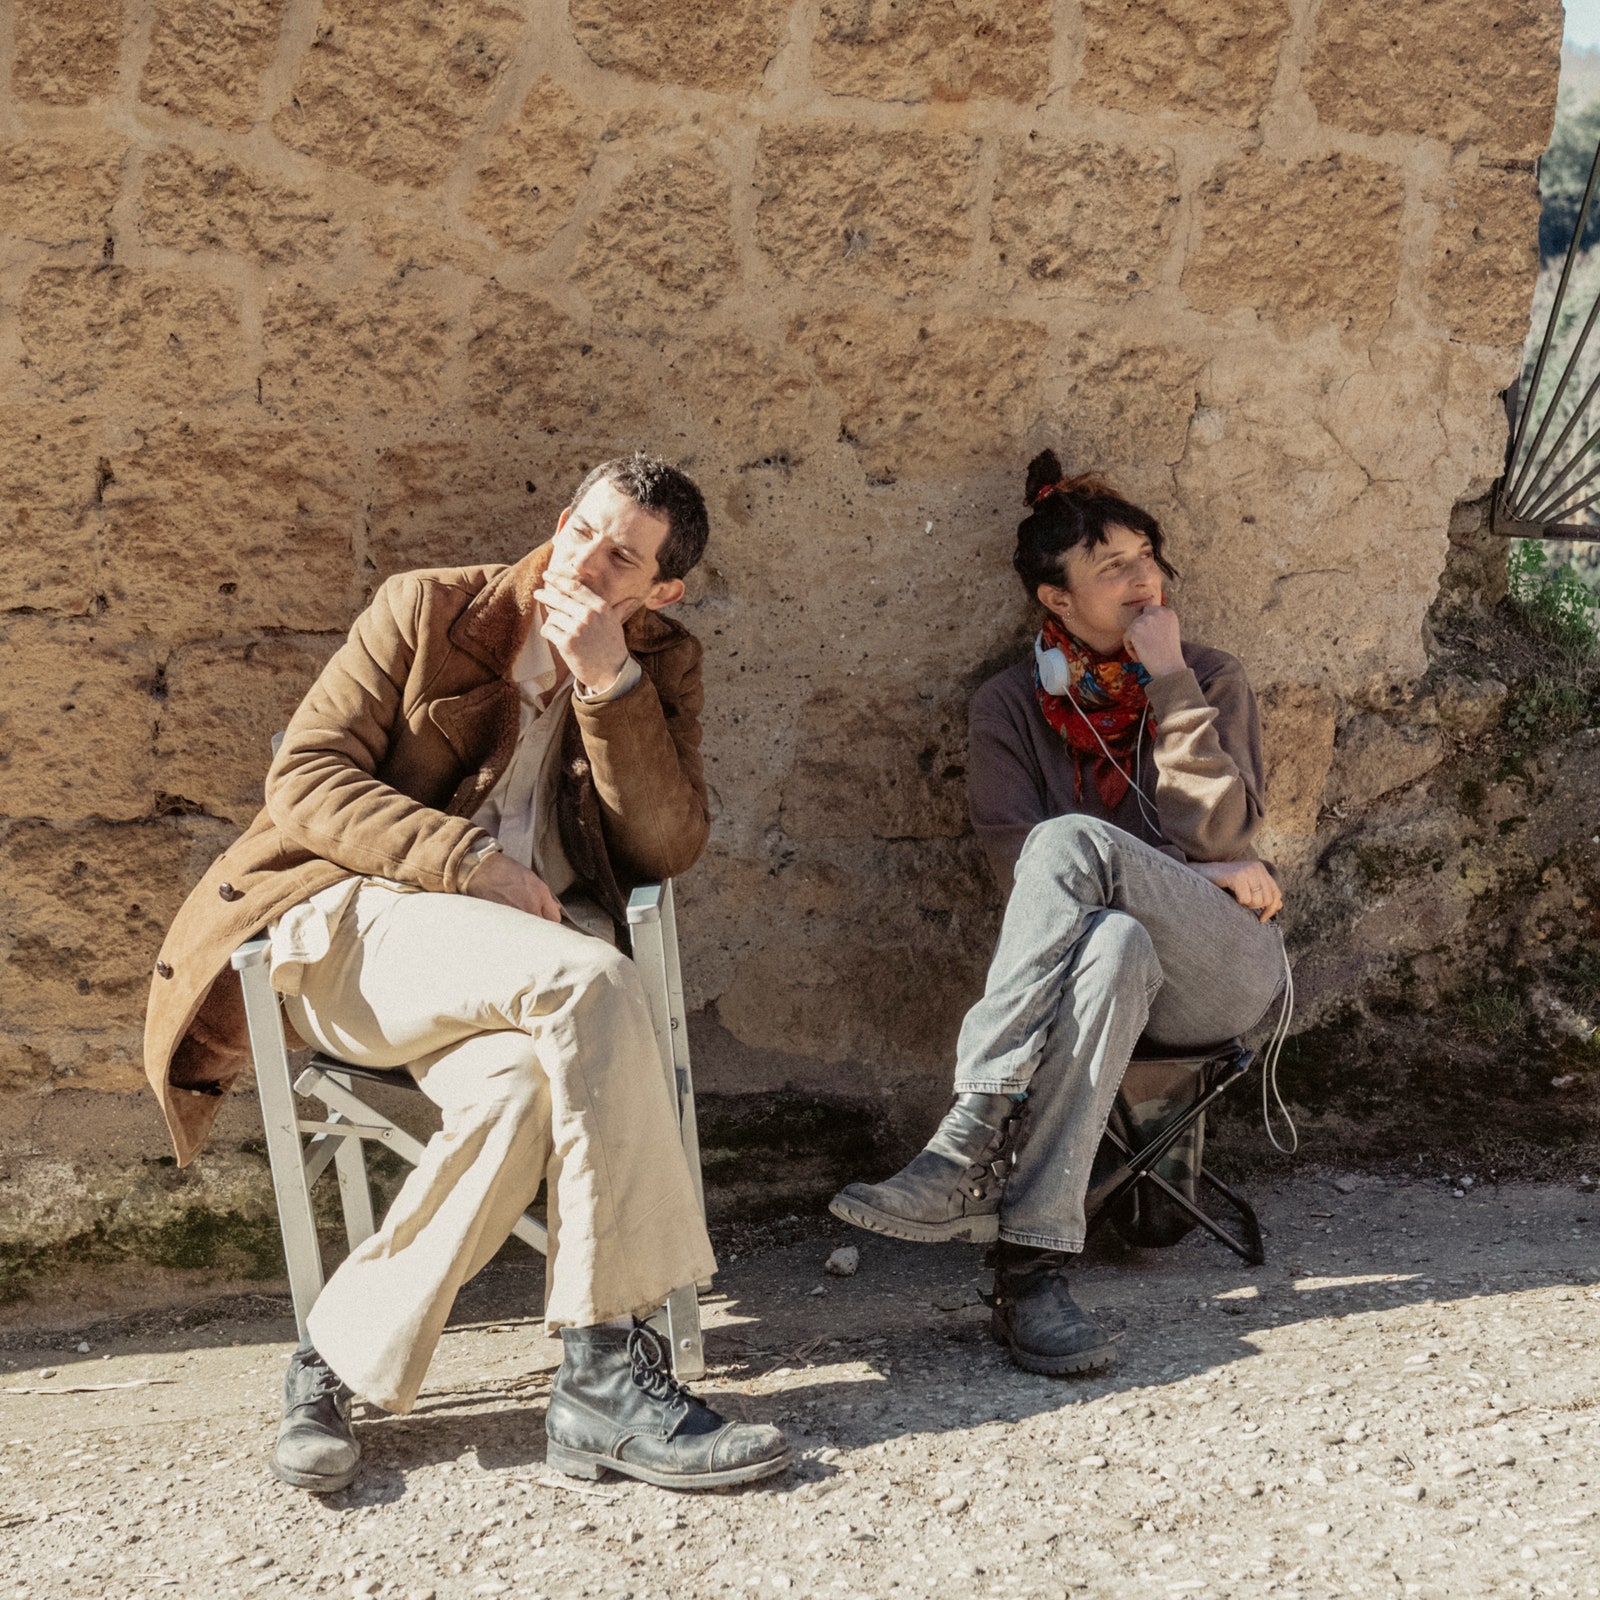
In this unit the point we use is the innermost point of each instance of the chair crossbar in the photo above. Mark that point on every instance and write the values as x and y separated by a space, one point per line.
342 1130
336 1139
1137 1166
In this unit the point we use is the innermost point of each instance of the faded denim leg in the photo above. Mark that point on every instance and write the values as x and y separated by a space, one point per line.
1103 938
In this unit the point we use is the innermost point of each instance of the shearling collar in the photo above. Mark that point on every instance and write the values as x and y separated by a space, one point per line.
495 624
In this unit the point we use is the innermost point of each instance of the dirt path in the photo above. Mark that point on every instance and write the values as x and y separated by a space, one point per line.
1405 1401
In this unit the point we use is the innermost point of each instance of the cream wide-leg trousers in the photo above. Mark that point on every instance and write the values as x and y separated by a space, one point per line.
535 1041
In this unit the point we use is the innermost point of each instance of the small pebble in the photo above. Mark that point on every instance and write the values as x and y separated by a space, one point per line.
1410 1491
1092 1461
843 1262
1505 1460
669 1524
493 1586
1318 1530
820 1289
261 1562
1458 1469
1355 1433
362 1587
83 1347
1347 1183
953 1503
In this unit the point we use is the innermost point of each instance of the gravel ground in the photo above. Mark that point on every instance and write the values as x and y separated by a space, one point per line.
1404 1401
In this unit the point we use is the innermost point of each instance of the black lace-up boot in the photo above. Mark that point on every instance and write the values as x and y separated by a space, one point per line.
316 1448
616 1406
952 1188
1036 1317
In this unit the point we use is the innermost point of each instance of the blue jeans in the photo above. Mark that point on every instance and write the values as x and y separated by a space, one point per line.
1104 938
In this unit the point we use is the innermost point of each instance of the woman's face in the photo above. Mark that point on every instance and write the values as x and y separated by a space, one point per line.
1108 585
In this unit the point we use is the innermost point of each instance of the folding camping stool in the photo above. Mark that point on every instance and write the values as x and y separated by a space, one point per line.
337 1138
1150 1176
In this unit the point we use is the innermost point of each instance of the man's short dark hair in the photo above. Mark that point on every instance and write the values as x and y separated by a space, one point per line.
653 485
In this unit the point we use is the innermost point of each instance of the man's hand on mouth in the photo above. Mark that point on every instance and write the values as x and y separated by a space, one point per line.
585 630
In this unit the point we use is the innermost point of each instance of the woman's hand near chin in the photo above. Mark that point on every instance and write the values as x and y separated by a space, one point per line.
1248 882
1155 641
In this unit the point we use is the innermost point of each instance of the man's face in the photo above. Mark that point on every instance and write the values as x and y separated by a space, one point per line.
609 544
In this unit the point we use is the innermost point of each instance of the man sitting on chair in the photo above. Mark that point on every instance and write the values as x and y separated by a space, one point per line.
451 826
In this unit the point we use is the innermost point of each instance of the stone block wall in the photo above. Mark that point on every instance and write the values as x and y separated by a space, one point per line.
298 293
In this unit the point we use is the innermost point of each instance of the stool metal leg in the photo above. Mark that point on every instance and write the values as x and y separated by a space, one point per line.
269 1048
1137 1166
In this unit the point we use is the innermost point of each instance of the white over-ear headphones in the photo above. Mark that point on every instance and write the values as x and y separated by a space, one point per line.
1052 664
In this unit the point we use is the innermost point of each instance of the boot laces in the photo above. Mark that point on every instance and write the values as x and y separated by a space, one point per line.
316 1381
647 1357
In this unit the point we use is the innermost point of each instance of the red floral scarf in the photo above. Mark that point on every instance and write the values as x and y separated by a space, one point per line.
1109 692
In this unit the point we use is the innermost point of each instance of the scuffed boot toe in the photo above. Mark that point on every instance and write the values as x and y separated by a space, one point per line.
312 1458
742 1446
901 1207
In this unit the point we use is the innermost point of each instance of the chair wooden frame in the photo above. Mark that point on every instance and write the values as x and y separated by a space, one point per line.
336 1138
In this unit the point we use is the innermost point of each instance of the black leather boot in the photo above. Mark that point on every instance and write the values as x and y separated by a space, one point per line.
1036 1317
616 1406
316 1448
952 1188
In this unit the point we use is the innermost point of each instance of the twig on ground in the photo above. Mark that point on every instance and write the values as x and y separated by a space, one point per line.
550 1481
92 1388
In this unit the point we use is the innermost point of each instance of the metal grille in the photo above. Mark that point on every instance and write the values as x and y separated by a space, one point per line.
1551 487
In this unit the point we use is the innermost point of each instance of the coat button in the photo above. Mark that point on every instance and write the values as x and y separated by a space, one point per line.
163 970
228 892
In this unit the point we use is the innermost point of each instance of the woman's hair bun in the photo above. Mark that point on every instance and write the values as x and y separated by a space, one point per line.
1043 470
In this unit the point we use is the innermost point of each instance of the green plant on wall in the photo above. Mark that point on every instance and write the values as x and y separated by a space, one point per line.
1553 599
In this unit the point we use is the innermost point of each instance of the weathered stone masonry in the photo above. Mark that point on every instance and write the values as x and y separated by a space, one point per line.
298 293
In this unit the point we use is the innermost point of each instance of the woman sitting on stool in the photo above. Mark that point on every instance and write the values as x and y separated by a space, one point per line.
1114 778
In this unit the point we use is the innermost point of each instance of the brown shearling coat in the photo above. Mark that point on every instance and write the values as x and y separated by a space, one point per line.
392 751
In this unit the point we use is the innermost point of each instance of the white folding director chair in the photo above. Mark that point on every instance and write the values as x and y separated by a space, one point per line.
337 1138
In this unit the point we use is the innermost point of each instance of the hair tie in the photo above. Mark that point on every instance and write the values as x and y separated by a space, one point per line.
1049 489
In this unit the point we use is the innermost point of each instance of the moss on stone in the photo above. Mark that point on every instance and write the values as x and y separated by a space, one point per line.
195 1238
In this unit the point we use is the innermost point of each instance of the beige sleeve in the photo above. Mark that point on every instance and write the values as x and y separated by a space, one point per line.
1209 778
